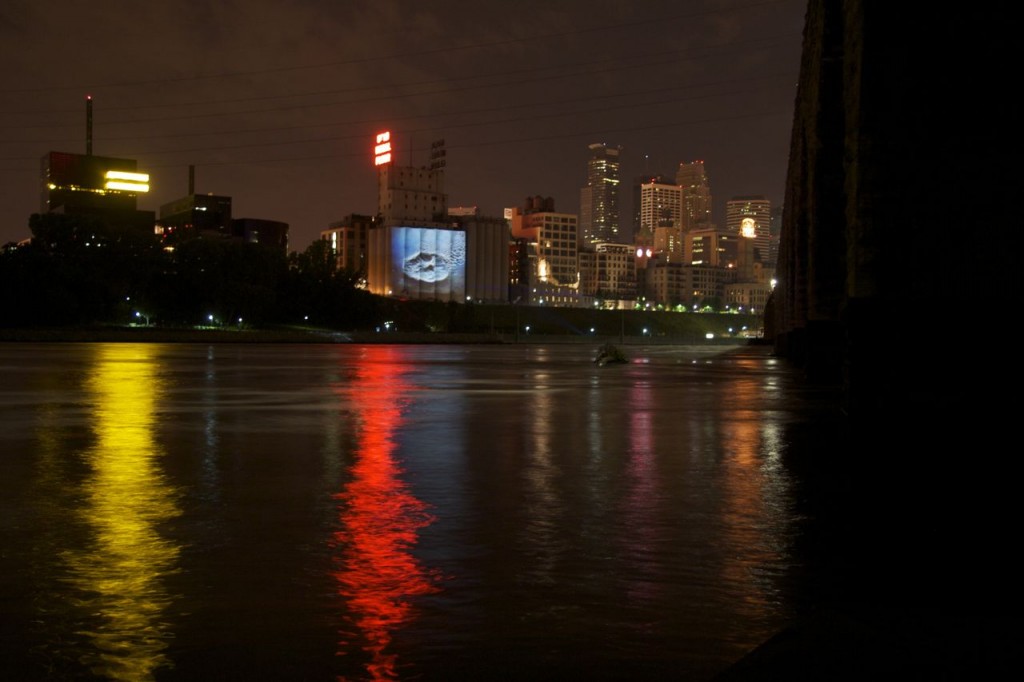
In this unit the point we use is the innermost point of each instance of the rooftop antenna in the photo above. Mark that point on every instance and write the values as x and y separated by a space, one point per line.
191 180
88 125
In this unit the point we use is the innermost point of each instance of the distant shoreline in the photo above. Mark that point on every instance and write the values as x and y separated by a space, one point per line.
317 336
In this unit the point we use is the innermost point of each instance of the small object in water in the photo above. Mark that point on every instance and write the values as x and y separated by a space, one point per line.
608 353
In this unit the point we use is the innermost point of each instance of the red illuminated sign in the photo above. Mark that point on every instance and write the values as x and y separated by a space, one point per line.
382 150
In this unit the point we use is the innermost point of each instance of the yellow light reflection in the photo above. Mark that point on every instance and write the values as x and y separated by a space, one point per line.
753 492
121 572
380 518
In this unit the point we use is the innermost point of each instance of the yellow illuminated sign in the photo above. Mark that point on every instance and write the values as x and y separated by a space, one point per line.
124 180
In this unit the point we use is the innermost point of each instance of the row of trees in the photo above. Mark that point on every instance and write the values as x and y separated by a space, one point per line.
80 271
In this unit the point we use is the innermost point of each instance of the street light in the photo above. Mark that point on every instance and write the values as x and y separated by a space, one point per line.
142 316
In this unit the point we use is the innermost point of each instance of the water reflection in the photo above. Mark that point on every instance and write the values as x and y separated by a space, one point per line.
754 490
540 476
643 499
120 573
378 575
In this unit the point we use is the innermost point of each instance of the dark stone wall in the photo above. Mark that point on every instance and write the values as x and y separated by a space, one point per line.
812 251
899 228
899 284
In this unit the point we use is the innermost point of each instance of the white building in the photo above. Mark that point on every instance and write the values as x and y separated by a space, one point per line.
553 250
661 205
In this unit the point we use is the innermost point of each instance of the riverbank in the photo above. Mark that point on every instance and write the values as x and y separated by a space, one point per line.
313 335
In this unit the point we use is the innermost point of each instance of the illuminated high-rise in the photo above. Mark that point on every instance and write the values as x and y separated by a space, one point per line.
660 212
751 214
638 183
599 200
696 191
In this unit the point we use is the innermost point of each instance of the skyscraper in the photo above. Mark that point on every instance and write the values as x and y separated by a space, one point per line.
696 195
599 200
661 218
743 214
638 183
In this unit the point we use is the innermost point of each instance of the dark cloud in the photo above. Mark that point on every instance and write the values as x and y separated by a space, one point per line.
276 103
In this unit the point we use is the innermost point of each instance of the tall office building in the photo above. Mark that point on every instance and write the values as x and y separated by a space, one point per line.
751 215
660 211
599 200
638 183
696 192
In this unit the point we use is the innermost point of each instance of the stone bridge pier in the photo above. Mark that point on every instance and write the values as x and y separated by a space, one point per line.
899 284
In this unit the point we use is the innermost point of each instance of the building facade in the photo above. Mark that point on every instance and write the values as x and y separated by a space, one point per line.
270 233
412 249
673 284
711 247
609 272
195 215
753 215
411 196
348 239
638 184
696 195
599 200
553 246
487 257
417 262
661 205
99 187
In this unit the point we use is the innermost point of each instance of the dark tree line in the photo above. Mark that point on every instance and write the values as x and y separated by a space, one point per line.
81 271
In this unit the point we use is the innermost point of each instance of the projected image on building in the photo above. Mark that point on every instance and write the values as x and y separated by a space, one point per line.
429 263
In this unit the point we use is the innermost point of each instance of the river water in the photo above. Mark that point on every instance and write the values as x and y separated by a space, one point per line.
181 512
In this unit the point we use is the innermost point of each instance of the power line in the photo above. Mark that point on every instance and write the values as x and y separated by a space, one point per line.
618 26
753 45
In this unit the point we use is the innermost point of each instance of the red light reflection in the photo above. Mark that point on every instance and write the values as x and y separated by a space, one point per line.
377 574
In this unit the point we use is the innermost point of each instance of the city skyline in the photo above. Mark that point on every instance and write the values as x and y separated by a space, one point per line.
283 120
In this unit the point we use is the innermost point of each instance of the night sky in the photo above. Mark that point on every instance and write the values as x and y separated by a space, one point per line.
277 103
